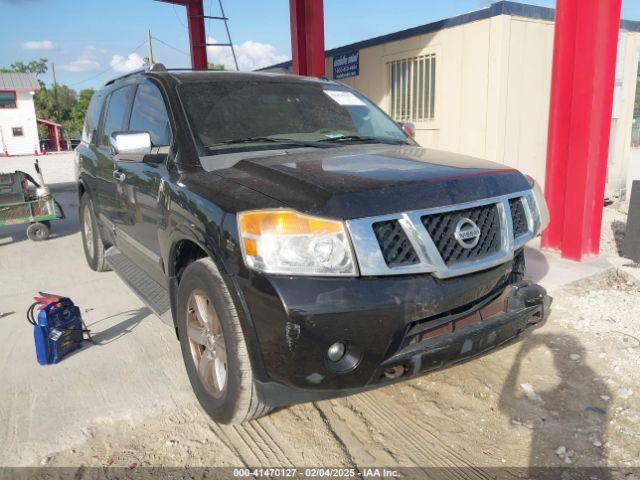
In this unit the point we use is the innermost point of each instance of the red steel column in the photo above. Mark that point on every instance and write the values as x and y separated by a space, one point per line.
197 37
582 83
307 37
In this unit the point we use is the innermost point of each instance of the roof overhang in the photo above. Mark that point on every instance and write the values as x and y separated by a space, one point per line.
47 122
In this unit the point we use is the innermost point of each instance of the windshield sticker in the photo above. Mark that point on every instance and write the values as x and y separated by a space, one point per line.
342 97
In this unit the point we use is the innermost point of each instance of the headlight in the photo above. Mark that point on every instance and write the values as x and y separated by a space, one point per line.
538 207
290 243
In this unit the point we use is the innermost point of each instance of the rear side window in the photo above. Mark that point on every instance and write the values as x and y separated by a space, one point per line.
90 129
116 118
149 114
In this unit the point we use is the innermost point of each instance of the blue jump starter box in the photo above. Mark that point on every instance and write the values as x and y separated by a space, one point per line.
58 331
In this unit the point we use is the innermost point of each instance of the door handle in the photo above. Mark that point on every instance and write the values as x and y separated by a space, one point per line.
119 175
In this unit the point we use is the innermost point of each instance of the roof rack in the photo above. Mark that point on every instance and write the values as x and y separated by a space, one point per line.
156 67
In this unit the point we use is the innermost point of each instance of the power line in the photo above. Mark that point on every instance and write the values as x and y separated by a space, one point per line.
171 46
175 12
108 69
209 31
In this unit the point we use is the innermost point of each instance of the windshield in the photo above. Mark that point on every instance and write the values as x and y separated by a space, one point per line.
226 116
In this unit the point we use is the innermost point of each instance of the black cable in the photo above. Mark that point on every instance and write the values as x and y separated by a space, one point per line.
30 315
28 177
62 215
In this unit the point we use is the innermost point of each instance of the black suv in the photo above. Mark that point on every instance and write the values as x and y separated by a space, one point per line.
302 245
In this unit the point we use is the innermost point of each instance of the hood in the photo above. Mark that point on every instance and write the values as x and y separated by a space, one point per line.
367 180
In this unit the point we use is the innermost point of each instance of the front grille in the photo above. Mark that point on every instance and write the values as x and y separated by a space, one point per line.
518 217
396 248
441 227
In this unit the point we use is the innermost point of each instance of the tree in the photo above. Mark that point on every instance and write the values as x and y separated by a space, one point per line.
215 66
73 125
38 67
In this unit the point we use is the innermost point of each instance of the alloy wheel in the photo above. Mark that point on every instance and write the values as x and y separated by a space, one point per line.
88 230
206 340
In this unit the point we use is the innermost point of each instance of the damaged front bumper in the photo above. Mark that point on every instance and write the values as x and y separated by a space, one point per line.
392 328
458 337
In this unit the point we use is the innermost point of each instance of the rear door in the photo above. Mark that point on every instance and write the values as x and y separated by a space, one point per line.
96 178
139 191
114 118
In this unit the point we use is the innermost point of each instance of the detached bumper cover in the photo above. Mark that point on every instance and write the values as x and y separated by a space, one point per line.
525 304
413 323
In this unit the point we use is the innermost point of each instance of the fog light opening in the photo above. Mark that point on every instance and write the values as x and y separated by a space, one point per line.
342 357
336 351
395 372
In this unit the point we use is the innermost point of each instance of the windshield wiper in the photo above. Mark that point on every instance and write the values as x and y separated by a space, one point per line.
362 138
282 141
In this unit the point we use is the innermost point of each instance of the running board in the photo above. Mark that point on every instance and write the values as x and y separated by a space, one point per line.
154 295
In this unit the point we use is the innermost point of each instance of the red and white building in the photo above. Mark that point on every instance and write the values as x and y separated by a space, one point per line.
18 128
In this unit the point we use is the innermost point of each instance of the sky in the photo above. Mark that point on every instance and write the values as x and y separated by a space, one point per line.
91 41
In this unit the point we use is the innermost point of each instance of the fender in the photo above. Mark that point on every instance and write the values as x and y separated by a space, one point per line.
186 231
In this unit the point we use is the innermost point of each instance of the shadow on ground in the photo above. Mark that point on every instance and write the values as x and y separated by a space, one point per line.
132 319
570 415
537 264
619 228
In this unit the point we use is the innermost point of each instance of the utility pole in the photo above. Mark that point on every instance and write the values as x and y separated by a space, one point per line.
55 93
56 104
149 48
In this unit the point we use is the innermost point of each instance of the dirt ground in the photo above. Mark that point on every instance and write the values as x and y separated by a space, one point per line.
566 395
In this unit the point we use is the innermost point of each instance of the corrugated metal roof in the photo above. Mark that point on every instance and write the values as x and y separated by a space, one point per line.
19 82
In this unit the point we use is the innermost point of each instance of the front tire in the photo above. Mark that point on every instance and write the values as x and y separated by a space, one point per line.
91 238
213 346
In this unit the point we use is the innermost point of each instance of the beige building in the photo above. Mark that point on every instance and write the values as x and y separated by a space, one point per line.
479 84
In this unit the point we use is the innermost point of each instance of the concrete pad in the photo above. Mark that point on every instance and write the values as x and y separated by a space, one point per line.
552 271
57 168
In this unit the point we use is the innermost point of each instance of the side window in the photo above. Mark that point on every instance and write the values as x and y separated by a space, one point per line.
116 118
149 114
90 129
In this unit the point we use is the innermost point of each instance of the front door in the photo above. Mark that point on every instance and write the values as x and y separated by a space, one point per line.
139 188
114 119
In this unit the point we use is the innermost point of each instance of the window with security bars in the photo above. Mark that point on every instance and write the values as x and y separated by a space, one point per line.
413 88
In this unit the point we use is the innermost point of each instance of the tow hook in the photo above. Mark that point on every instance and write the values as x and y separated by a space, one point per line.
395 372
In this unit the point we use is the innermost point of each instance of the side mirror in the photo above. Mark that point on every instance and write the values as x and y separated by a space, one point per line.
409 128
130 142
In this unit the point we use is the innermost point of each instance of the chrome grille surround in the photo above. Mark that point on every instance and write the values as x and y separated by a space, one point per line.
372 263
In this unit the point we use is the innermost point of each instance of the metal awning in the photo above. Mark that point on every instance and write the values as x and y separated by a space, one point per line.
48 122
20 82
